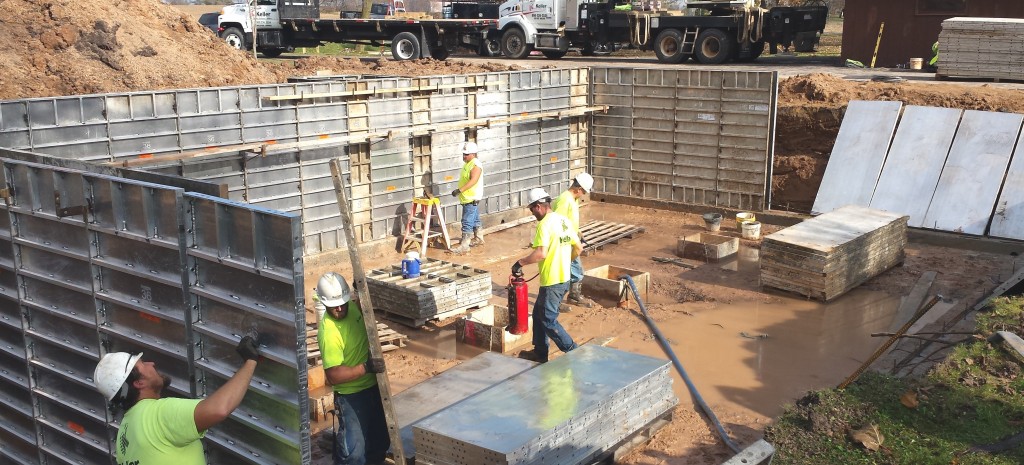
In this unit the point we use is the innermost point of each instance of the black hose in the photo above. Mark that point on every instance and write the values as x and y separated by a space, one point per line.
679 367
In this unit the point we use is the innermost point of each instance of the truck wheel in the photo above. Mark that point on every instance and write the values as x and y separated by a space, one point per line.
668 47
513 44
439 53
405 46
271 52
713 47
234 37
554 54
756 49
489 48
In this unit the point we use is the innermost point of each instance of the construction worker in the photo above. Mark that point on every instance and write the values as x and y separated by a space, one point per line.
166 431
362 434
555 245
469 193
567 205
933 62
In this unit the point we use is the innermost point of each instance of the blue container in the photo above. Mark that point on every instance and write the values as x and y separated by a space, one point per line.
410 268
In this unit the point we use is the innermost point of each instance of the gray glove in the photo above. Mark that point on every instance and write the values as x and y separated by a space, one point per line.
374 365
248 349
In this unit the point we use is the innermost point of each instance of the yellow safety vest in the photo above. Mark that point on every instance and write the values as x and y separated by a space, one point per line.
477 191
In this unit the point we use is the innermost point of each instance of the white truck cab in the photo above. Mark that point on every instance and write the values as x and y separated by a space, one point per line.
537 24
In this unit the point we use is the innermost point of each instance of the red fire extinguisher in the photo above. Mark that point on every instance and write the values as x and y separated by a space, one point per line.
518 305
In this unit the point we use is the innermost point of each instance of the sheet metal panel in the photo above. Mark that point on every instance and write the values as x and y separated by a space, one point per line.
858 154
970 181
915 161
1008 220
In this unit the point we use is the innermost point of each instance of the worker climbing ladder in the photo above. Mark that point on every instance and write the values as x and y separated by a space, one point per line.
420 227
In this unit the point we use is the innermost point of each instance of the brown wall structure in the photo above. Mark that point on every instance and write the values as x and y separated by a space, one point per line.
911 26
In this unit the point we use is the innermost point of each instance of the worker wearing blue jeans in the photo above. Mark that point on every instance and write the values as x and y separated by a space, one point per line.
469 193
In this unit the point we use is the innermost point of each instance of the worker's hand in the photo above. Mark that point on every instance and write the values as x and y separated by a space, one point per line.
517 269
456 192
374 365
248 349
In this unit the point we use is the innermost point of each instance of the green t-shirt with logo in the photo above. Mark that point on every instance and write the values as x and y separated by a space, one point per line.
567 206
343 342
556 234
160 432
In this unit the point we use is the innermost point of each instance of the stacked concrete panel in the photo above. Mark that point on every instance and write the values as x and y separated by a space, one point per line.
982 48
555 413
442 289
826 256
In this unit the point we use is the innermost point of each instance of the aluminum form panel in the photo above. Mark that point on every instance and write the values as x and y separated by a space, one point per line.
969 185
1008 220
858 155
920 147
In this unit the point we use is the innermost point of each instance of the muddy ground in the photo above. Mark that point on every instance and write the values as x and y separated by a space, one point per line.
60 47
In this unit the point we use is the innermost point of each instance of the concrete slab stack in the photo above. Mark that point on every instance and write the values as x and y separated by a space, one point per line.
982 48
555 413
442 289
826 256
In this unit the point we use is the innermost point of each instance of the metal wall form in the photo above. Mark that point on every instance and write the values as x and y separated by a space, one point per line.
91 264
692 136
385 174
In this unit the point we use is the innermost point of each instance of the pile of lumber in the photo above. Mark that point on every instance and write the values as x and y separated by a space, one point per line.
991 48
826 256
443 289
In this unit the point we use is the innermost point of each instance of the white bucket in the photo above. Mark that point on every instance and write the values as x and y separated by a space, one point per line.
751 230
916 63
743 217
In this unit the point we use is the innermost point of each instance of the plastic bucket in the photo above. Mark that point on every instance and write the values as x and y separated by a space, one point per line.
713 221
916 63
743 217
751 230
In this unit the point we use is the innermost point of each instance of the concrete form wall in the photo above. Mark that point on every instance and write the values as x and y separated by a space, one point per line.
91 264
689 136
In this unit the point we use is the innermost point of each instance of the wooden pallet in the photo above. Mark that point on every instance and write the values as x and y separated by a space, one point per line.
417 322
389 340
601 233
639 438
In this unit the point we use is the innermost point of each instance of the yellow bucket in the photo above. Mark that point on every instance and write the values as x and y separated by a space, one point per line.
743 217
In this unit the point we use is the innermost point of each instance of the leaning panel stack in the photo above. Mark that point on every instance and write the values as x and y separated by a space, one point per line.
442 289
826 256
991 48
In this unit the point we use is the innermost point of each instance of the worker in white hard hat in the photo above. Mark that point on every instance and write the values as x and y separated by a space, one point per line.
567 204
166 430
362 434
469 193
555 245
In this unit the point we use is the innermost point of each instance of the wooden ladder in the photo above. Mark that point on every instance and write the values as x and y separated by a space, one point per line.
418 228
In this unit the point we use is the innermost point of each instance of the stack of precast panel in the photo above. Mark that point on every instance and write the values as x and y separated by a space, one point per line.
982 48
826 256
558 412
442 288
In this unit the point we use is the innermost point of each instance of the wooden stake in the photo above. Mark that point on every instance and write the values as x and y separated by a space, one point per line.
877 43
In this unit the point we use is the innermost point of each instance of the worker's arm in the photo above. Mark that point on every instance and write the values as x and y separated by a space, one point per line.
474 176
537 255
343 374
217 406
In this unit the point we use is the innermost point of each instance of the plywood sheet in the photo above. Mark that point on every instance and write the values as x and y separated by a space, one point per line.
1008 220
974 170
915 161
857 156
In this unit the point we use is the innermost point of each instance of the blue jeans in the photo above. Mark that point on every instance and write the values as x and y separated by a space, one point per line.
545 320
576 271
362 435
470 218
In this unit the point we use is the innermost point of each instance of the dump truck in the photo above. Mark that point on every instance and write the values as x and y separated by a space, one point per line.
710 32
278 26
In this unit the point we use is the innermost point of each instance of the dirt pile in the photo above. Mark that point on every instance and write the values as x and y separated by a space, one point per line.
60 47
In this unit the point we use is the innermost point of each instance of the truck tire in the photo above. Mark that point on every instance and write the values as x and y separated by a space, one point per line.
405 46
554 54
713 47
489 48
234 37
756 49
668 47
439 53
513 44
271 52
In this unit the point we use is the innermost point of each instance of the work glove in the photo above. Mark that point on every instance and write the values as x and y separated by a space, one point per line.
517 269
248 349
374 365
456 192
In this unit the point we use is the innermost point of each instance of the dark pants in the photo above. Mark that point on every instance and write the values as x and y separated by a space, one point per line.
362 429
545 320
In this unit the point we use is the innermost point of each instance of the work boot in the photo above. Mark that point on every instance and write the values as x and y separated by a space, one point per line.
478 237
576 296
533 356
462 248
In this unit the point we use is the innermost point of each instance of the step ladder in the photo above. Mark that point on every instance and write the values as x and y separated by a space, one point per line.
418 229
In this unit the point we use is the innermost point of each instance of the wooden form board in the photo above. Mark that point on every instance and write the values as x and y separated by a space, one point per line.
1008 220
858 154
915 161
973 172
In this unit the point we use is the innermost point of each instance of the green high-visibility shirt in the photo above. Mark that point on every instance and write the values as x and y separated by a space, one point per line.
160 432
343 342
556 234
477 191
567 206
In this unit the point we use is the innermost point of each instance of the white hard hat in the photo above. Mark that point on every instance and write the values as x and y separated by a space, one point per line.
112 372
469 147
585 181
333 290
538 194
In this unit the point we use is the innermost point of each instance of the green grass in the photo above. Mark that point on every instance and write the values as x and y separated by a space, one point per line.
333 49
972 398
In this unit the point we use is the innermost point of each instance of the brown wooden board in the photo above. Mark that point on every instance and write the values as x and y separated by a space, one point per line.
601 233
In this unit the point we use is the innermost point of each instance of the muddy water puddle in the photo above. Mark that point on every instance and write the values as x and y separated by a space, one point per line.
758 356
